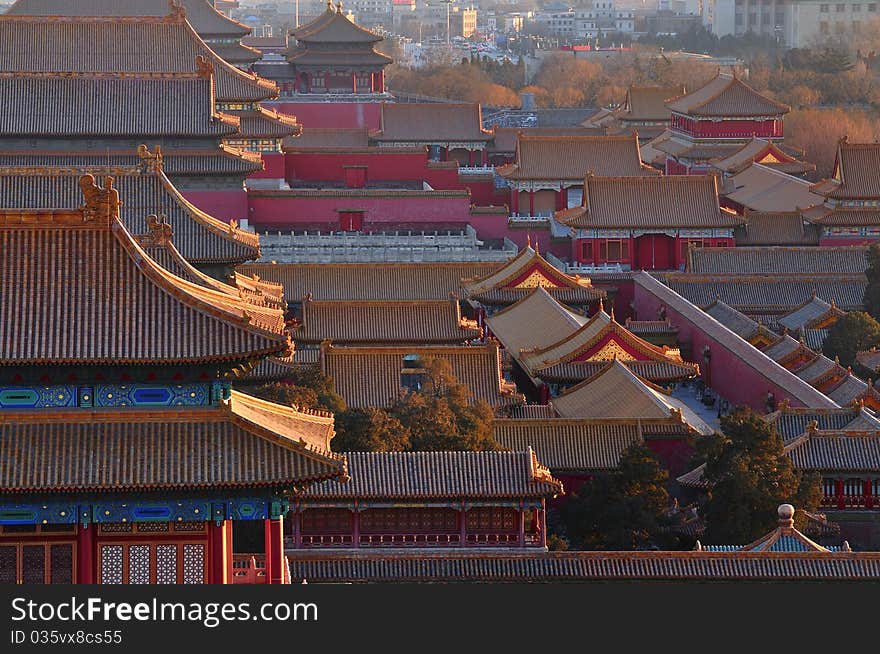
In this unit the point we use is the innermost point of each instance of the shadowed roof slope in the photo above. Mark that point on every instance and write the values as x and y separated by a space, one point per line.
333 26
726 96
440 121
537 320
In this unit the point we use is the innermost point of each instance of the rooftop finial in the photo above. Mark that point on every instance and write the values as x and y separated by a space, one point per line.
786 516
339 7
152 160
160 231
100 203
204 68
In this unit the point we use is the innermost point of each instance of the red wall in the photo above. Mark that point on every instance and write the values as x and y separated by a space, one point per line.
274 166
331 114
853 240
288 211
329 166
223 205
731 377
674 453
743 128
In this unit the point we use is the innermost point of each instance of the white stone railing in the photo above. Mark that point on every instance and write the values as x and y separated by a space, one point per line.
476 170
578 269
537 217
331 97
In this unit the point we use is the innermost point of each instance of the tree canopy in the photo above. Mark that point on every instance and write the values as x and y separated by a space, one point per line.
871 299
749 476
852 333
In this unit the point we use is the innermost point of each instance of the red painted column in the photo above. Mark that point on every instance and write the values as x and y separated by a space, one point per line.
521 537
869 500
542 523
470 157
86 554
381 88
297 527
532 203
220 544
514 199
462 528
838 490
274 531
356 527
354 83
326 82
676 257
595 250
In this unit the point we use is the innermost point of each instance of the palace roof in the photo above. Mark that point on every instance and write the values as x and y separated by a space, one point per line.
775 228
826 216
585 351
505 138
615 392
726 96
236 53
262 444
111 105
273 369
127 45
764 152
220 161
811 314
369 281
647 103
856 173
431 122
738 347
739 324
395 476
571 157
330 138
785 538
791 421
870 359
262 123
381 321
87 284
521 274
847 259
662 201
332 26
371 376
536 320
761 188
768 292
493 567
146 190
158 244
206 20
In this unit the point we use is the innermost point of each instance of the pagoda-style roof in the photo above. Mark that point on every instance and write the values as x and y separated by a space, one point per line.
222 160
243 442
869 359
761 188
383 321
791 422
146 190
273 369
570 157
655 202
785 538
236 53
369 281
815 313
158 243
332 26
846 259
856 174
330 139
584 352
402 476
506 138
616 392
536 320
825 216
647 103
739 324
87 285
206 20
764 152
726 96
143 105
264 123
775 228
431 122
371 376
127 45
521 274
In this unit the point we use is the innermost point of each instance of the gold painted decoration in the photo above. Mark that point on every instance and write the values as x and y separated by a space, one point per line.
535 280
770 158
610 351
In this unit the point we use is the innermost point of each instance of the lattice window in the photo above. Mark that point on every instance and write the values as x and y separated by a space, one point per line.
116 528
193 564
139 564
152 527
326 521
198 527
408 520
166 564
490 518
33 564
8 564
111 564
61 564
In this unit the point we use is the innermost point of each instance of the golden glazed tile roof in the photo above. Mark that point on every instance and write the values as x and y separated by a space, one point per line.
77 286
426 122
537 320
371 376
440 475
571 157
332 26
506 137
776 228
130 45
648 103
379 321
108 105
856 173
763 152
369 281
656 202
146 190
762 188
840 260
245 442
726 96
809 314
206 20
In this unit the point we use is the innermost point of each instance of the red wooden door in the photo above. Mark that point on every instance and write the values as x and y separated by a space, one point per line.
654 252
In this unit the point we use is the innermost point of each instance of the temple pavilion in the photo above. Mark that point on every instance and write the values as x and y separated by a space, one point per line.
643 111
109 353
333 55
220 32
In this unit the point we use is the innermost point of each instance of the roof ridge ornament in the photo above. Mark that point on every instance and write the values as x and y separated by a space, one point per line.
160 231
101 204
152 161
204 67
176 12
